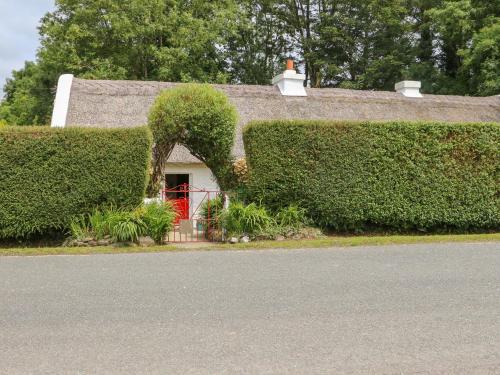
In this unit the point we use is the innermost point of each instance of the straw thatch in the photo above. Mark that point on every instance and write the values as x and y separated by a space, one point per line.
127 103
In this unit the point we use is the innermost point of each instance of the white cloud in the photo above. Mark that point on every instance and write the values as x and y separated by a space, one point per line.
19 37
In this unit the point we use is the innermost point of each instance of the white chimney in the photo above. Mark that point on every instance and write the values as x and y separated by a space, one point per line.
290 82
410 89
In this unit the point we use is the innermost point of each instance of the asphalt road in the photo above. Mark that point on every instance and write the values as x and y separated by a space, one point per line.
376 310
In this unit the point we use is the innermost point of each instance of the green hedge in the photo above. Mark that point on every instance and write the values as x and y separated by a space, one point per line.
49 175
394 175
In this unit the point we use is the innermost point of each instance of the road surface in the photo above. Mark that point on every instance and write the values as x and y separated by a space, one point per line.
413 309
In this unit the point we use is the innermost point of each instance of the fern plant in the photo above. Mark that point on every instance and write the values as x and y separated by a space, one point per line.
159 220
79 228
251 219
291 217
126 226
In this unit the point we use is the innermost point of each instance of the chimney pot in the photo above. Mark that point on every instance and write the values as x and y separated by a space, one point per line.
289 65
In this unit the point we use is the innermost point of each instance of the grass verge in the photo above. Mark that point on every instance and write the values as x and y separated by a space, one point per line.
333 241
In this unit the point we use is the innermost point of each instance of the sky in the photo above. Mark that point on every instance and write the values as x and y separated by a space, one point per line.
19 37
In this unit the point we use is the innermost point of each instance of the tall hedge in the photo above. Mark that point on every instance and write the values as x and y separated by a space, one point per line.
393 175
47 175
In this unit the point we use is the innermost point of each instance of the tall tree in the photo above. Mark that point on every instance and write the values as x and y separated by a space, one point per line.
364 43
481 67
257 50
450 45
174 40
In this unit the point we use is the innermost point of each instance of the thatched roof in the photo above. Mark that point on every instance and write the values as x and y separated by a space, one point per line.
127 103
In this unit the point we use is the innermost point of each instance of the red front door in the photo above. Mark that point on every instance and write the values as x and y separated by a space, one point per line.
177 192
181 205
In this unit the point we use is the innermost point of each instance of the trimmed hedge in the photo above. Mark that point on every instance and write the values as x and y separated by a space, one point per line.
364 175
47 176
199 117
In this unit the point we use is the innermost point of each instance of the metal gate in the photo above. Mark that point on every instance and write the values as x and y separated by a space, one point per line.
198 216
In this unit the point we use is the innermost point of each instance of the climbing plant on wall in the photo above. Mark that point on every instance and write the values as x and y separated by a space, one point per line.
200 118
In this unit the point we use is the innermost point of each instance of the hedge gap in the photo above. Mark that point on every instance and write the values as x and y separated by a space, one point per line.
400 176
49 175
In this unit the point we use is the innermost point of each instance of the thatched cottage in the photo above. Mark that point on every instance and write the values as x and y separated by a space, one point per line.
98 103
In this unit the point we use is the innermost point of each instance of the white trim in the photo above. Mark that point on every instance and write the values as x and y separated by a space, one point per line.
290 83
410 89
61 103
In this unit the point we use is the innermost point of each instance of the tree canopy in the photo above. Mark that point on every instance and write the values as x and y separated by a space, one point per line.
452 46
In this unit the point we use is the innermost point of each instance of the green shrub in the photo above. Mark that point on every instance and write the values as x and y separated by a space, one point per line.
153 219
49 176
80 228
212 209
159 219
202 119
251 219
94 225
98 222
291 216
126 226
396 175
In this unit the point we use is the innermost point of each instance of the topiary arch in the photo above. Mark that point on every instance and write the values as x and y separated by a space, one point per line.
200 118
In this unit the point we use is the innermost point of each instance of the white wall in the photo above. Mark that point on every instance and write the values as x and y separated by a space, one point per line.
199 177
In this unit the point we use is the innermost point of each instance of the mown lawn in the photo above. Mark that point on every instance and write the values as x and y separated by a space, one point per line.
331 241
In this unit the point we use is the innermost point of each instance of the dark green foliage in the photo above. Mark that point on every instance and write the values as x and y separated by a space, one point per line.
450 45
256 221
48 176
398 176
203 120
291 217
212 209
29 96
124 225
246 219
159 220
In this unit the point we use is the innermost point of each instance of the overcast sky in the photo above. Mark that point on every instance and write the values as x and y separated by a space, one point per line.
18 33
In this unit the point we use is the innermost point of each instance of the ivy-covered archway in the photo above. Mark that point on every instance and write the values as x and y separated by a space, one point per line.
200 118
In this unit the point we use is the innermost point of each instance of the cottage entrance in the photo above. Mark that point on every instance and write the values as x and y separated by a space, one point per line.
178 195
197 213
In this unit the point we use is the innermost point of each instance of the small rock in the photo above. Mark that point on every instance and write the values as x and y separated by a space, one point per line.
88 239
233 240
245 239
103 242
92 243
146 241
279 237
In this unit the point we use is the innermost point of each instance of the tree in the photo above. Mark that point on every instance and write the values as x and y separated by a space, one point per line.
28 96
258 48
453 27
360 44
364 44
482 61
170 40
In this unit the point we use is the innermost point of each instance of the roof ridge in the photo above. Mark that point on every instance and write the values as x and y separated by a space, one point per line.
250 90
